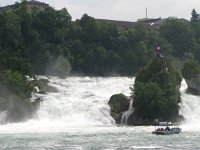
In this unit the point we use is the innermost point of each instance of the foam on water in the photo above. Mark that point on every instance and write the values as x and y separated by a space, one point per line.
81 103
190 109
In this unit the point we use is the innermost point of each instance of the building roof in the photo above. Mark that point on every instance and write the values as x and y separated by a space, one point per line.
151 23
36 2
127 24
148 20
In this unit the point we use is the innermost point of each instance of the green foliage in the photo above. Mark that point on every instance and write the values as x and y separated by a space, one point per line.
195 16
190 69
91 47
33 42
49 42
149 100
155 92
179 33
16 83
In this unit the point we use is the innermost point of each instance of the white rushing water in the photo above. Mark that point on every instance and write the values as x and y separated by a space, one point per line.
83 101
77 117
127 113
190 109
80 101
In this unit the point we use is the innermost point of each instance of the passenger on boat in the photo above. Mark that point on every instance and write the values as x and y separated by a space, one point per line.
167 128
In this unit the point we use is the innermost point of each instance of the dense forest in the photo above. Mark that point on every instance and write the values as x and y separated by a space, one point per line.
50 43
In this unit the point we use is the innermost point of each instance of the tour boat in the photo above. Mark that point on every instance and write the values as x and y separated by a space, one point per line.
166 128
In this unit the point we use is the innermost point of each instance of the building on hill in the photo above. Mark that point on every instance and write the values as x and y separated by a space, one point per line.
32 5
152 23
36 5
120 24
149 20
155 23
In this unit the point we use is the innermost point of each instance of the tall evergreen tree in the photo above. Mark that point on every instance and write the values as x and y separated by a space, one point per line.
195 16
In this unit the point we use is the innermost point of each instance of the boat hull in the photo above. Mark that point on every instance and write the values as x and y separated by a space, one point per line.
167 132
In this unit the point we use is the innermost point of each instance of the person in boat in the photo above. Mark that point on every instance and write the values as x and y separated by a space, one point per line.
167 128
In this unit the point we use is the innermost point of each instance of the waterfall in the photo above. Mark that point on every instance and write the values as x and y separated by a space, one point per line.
82 100
127 113
3 116
190 108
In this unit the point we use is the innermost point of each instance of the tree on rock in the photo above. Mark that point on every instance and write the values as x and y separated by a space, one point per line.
155 92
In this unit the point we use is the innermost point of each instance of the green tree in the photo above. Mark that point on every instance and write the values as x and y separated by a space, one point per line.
155 92
178 33
195 16
150 101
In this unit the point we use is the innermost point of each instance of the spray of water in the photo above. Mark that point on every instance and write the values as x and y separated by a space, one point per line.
190 109
83 101
126 114
80 101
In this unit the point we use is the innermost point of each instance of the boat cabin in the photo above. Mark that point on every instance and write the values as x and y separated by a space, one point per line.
166 128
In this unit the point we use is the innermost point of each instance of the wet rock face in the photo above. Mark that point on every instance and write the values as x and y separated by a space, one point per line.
118 103
191 74
194 85
43 86
19 110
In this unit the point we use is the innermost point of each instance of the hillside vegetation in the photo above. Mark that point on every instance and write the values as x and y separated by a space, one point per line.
50 43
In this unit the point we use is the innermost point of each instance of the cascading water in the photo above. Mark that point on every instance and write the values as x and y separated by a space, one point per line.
190 109
80 101
127 113
78 117
83 101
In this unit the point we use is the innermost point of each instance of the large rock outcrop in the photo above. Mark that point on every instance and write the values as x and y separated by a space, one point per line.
118 103
43 86
17 108
191 73
194 85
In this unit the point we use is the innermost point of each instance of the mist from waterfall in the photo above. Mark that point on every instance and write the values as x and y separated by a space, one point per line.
80 101
83 101
190 109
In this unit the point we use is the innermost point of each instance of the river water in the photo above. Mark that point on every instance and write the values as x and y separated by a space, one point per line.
77 117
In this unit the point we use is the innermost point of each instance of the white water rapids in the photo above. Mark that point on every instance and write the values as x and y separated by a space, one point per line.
82 101
190 109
